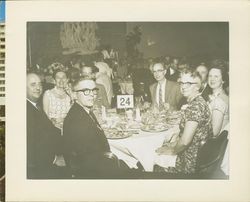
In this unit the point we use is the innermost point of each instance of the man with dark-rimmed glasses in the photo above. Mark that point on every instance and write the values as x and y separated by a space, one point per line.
87 152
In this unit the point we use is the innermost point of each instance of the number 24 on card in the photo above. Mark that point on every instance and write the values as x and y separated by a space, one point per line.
125 101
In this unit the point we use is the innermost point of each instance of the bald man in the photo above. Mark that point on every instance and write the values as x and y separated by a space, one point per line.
164 91
42 135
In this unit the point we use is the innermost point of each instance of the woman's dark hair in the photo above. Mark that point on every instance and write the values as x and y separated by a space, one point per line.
221 65
59 70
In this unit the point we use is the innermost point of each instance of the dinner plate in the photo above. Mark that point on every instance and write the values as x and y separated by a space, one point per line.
119 137
116 134
154 130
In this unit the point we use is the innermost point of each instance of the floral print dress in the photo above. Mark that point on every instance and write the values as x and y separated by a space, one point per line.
196 110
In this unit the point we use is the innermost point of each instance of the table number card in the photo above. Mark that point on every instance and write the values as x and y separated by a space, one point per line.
125 101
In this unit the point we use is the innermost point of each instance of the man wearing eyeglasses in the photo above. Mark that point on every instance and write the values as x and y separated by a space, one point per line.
86 146
101 99
164 91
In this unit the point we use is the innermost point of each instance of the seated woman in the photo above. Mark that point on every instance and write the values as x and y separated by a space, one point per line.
195 127
219 106
218 100
57 102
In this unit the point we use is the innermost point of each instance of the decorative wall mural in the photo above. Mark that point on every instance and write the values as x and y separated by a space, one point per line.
79 37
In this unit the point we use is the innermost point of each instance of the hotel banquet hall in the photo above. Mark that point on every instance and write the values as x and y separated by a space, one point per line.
127 100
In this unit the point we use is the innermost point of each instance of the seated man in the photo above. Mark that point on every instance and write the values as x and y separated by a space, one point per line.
173 73
164 91
101 99
85 144
42 135
205 89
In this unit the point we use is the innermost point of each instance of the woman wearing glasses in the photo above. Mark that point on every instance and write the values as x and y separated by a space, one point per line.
195 126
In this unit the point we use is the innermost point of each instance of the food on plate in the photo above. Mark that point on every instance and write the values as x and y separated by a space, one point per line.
115 133
155 127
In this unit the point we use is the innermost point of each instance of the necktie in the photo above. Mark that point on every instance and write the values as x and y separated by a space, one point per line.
160 98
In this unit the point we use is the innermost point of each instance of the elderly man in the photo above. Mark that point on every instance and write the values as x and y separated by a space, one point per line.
205 89
101 99
87 152
42 135
164 91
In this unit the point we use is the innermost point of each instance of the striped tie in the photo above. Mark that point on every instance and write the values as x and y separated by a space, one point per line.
160 98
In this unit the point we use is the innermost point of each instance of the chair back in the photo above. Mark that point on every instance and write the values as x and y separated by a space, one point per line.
211 154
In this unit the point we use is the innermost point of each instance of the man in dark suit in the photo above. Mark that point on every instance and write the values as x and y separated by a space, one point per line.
87 150
164 91
205 89
142 78
173 72
41 134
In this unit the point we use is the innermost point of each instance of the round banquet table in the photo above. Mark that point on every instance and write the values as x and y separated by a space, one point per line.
141 147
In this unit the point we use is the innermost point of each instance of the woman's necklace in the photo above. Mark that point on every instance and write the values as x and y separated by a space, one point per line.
215 94
59 93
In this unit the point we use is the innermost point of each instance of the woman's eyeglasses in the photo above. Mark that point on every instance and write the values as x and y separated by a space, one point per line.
188 84
87 91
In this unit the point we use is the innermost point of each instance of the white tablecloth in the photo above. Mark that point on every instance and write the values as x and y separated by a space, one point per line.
141 147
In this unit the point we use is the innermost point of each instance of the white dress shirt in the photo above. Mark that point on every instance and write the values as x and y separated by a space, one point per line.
33 103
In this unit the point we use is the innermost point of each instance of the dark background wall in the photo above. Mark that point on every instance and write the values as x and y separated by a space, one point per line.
184 38
200 39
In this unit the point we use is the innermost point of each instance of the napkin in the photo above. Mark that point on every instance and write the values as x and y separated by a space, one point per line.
165 161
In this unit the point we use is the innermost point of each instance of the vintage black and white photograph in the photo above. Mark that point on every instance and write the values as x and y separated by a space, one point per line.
127 100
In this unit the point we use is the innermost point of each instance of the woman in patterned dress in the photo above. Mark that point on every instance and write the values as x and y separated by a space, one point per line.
56 101
195 127
56 104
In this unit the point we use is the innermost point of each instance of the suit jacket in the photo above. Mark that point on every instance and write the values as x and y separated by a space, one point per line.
206 92
42 138
172 77
173 95
144 76
84 141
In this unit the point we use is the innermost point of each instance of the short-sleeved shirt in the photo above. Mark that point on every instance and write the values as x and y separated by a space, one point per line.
221 103
197 110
